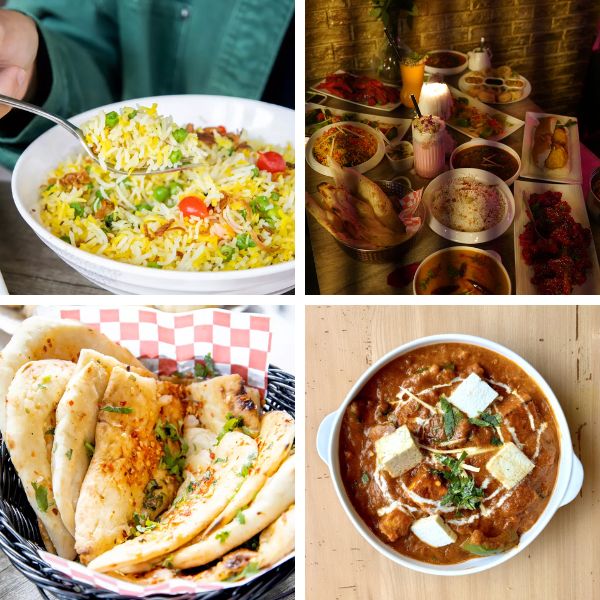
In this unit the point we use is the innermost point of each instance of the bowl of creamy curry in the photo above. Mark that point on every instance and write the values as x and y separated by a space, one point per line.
450 454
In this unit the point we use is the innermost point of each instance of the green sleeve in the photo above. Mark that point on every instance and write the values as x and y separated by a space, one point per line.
82 55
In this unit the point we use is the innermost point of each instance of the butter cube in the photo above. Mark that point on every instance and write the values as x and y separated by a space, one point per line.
433 531
473 395
509 465
397 452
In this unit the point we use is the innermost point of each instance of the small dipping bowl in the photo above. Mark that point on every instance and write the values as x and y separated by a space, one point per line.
401 147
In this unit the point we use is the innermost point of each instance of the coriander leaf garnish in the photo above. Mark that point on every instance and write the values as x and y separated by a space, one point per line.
496 441
422 370
222 536
250 569
124 410
240 517
89 448
449 367
41 496
486 420
462 491
365 478
230 424
205 368
69 453
452 417
142 524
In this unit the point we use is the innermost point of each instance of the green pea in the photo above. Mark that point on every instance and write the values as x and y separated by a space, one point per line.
78 208
227 252
175 156
174 187
65 238
132 114
255 172
275 196
112 119
143 206
260 203
153 265
162 193
180 135
99 195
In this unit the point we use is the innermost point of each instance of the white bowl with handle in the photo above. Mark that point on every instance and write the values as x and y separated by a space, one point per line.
270 123
568 481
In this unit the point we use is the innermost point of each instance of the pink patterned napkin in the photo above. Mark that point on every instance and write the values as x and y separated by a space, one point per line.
409 205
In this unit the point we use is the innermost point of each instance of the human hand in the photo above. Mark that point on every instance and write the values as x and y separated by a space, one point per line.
19 43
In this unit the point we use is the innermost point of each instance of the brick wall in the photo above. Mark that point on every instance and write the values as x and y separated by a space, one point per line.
548 41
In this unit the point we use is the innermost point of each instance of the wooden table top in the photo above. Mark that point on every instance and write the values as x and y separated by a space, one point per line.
563 343
337 273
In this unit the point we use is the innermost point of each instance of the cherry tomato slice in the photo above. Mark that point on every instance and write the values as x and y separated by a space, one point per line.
192 206
271 161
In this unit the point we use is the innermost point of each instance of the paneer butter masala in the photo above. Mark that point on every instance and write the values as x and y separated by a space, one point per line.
449 452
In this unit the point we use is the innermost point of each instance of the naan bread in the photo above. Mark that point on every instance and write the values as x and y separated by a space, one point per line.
166 477
215 398
39 338
126 454
275 441
278 539
272 500
30 419
204 499
76 417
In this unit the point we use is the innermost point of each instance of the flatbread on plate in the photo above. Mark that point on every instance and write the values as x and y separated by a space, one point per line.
30 419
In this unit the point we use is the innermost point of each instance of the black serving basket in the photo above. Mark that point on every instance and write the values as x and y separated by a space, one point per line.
20 537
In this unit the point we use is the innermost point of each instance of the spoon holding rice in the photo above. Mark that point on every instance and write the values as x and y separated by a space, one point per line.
179 164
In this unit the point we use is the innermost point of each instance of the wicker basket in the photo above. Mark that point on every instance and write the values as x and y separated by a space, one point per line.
20 536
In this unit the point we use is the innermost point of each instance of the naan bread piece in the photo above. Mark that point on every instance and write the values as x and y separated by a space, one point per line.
272 500
30 419
46 538
278 539
224 395
88 355
38 338
76 416
205 498
199 442
127 453
166 477
275 441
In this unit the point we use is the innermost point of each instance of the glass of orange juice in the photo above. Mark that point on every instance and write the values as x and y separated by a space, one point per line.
412 70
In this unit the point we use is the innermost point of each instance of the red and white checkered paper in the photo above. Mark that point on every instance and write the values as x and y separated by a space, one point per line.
168 342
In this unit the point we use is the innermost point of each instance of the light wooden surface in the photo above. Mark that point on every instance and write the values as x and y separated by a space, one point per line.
339 274
563 343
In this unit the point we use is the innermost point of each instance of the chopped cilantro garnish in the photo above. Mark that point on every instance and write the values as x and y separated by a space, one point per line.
250 569
125 410
486 420
240 517
41 496
205 368
452 417
365 478
462 491
69 453
230 424
90 448
222 536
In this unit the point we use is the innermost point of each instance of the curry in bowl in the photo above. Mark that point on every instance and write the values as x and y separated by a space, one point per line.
449 452
460 270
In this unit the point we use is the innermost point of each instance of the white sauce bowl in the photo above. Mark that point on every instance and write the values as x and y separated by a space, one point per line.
568 482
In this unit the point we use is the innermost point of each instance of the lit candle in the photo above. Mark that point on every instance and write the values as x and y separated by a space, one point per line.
436 100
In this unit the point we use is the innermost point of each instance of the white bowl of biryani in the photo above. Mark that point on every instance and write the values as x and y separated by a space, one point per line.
350 144
150 244
469 206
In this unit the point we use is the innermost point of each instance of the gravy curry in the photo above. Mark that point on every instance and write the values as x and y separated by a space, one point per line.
453 482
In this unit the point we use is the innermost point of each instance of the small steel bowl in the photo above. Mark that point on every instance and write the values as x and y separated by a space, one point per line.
396 190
